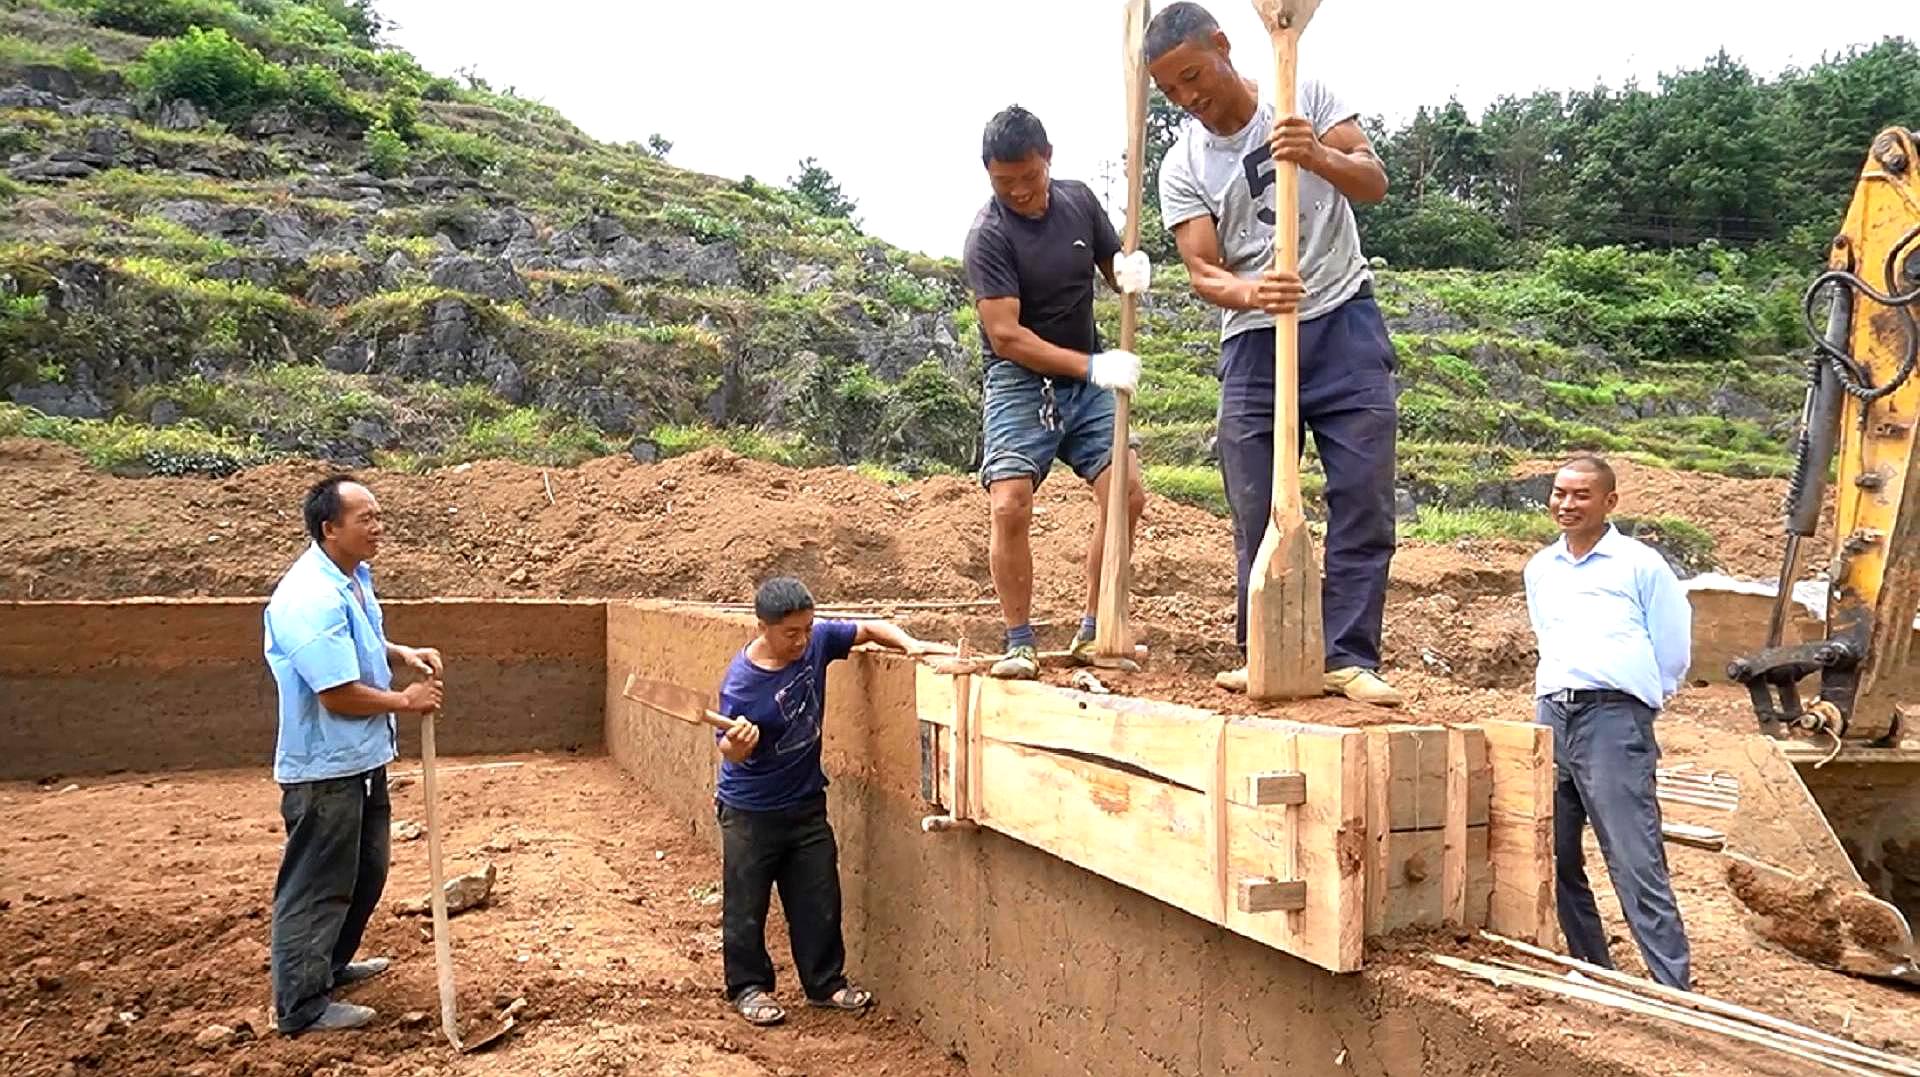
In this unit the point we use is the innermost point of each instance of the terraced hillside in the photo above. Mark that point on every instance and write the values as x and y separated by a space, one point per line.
243 229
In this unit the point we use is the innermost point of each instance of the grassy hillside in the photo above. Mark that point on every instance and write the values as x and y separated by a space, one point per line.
237 229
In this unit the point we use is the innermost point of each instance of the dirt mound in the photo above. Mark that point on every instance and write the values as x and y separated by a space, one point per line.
708 526
1743 515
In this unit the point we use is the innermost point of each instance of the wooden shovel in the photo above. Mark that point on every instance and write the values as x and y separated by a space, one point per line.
1286 658
674 701
1113 630
437 897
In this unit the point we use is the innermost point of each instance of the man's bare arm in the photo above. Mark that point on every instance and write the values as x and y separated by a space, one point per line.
357 700
1343 157
1000 317
888 634
1199 242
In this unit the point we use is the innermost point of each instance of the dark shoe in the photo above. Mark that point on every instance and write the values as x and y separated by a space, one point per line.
361 971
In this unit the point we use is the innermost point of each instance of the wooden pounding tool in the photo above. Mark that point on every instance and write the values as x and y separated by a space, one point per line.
1286 654
442 941
1113 630
674 701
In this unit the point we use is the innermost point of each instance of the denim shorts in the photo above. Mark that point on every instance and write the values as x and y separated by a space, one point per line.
1025 431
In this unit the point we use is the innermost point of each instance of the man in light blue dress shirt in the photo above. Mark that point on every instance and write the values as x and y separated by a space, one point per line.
1615 636
326 644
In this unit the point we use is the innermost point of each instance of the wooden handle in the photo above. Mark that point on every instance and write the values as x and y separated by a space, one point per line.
1286 330
1113 631
437 897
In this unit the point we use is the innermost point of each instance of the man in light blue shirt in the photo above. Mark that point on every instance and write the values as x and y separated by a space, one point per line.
326 644
1615 636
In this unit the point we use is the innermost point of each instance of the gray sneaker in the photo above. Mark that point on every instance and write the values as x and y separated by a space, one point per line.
361 971
339 1016
1021 664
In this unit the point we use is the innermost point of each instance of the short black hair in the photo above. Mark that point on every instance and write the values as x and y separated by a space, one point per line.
1176 23
323 504
1011 135
780 597
1593 465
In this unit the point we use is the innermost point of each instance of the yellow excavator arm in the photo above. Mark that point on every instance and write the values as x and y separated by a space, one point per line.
1861 421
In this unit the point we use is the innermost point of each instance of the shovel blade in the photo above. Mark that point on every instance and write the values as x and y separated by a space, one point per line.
1286 653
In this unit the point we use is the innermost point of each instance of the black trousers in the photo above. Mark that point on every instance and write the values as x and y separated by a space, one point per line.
331 877
793 849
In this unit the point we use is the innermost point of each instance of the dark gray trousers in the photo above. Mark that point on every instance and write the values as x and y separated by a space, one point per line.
1348 403
331 876
1604 757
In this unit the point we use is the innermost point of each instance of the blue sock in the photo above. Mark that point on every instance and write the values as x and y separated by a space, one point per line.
1020 636
1086 625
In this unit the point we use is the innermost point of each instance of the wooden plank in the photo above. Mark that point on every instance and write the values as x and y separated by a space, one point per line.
1327 836
1154 830
1379 826
1520 830
1165 739
1520 858
1271 895
1413 893
1453 872
1479 875
1276 788
1521 757
1146 834
1415 770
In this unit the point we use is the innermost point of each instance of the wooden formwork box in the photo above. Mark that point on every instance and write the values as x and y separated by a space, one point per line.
1308 838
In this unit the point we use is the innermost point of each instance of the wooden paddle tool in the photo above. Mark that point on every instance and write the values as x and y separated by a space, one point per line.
674 701
1286 657
1113 631
442 940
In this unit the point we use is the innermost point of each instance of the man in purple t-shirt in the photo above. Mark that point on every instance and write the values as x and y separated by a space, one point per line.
772 801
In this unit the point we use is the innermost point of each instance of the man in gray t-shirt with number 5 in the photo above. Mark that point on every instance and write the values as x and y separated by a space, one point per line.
1216 194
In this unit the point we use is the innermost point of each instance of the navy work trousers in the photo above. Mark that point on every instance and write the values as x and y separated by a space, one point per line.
1347 401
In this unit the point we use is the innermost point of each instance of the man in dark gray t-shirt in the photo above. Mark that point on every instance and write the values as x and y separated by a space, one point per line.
1217 186
1030 260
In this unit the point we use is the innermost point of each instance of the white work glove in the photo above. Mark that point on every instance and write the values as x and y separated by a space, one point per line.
1133 272
1116 370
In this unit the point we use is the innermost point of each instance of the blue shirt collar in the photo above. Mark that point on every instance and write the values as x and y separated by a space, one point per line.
325 566
1609 539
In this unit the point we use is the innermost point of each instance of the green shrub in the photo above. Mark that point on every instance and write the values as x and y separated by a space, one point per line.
387 150
403 115
81 61
1194 485
319 93
1436 524
211 69
472 153
185 448
676 440
160 18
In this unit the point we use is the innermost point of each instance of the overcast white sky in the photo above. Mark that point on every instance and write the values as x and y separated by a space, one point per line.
890 95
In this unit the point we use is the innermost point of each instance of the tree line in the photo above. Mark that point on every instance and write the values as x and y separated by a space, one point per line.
1714 152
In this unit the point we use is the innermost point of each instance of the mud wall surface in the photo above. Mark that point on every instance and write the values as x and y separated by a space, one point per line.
1016 960
162 684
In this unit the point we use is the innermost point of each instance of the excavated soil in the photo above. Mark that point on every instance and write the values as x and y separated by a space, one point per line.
134 913
708 526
